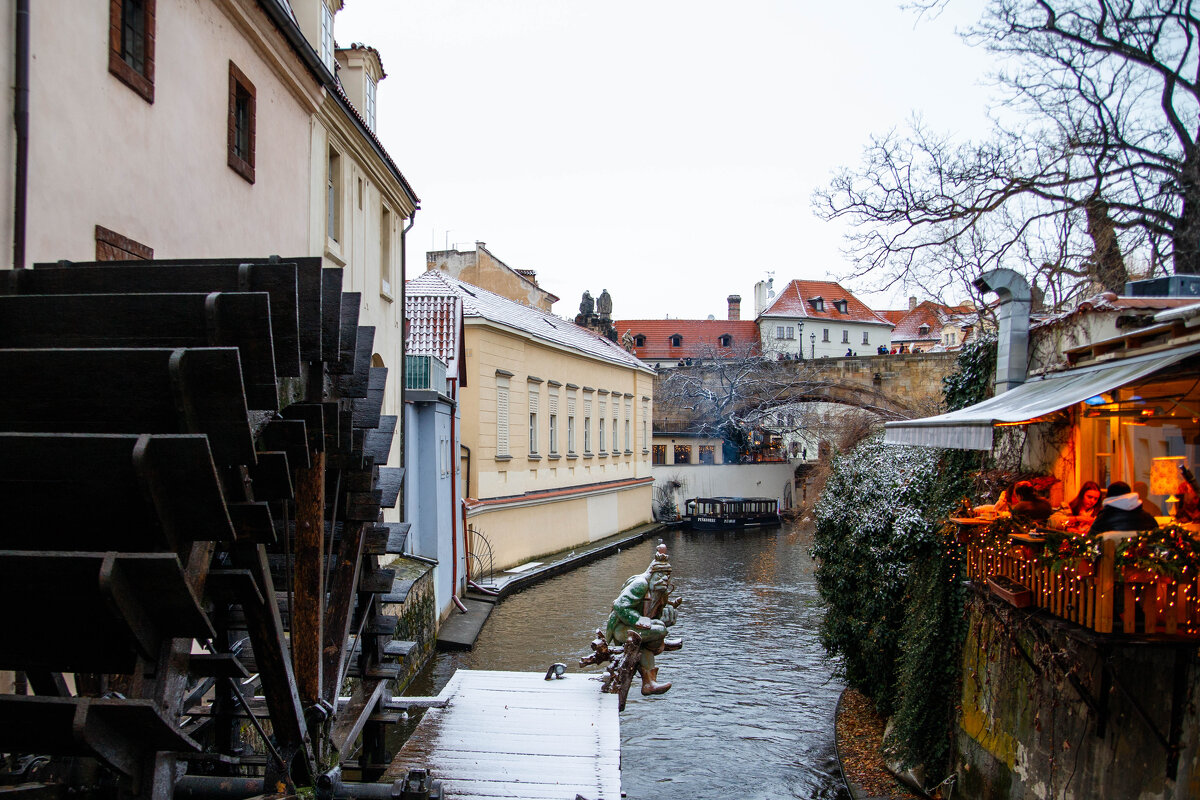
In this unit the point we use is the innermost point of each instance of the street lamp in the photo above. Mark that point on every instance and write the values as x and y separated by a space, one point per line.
800 337
812 337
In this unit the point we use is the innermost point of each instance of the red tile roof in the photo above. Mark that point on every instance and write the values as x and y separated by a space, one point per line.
701 338
795 302
935 315
893 315
435 329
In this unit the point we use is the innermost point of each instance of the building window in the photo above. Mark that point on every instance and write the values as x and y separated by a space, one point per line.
131 44
840 305
865 338
552 413
683 454
327 35
676 340
779 332
333 193
241 123
571 421
628 426
112 246
818 304
533 421
587 426
601 431
639 341
845 337
659 455
825 334
370 109
708 454
725 340
616 449
385 251
502 417
791 332
645 424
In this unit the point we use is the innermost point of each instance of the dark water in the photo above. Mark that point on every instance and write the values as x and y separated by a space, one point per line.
750 714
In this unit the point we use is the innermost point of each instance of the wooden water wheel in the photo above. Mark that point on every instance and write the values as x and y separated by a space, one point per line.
191 483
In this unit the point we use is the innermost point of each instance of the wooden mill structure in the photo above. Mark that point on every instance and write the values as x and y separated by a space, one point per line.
191 481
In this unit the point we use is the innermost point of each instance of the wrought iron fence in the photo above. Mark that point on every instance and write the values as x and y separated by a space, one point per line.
480 565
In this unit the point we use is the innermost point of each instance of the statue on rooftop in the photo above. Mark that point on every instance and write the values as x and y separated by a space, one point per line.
636 631
586 307
604 305
627 340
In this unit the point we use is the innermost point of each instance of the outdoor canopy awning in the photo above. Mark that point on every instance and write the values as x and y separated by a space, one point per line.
970 428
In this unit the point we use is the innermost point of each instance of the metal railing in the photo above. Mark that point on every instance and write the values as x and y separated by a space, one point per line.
424 372
480 565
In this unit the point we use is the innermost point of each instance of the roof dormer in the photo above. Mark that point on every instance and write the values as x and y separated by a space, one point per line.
361 70
315 18
818 303
923 330
841 306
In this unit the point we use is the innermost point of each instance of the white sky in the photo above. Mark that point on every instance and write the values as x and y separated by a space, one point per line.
664 150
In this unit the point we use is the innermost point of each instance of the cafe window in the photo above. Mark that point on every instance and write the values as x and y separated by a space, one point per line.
683 454
659 454
707 454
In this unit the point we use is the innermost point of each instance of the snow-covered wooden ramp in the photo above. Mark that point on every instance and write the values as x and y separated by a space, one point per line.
516 735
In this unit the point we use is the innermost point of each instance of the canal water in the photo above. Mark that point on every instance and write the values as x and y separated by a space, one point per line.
750 713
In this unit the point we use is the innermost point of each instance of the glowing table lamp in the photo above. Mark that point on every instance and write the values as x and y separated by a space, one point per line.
1165 477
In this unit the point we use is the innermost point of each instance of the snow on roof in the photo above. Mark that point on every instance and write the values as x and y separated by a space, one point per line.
482 304
433 325
794 302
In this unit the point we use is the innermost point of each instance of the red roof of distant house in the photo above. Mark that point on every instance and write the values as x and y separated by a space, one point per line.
700 338
932 315
796 301
893 315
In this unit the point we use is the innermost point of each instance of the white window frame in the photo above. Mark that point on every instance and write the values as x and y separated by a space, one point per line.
503 448
385 249
552 418
845 336
601 412
779 331
587 425
327 48
571 422
533 421
628 427
369 111
865 337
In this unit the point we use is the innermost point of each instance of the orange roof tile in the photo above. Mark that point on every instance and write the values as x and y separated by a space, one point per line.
796 302
701 338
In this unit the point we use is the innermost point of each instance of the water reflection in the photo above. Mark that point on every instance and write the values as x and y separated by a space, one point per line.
751 711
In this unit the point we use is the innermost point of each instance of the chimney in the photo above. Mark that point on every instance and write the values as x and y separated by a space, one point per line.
912 304
1012 315
735 306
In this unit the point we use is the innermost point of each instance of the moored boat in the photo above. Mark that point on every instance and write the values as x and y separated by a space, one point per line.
730 513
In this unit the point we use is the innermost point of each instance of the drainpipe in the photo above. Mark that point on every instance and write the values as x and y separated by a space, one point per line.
454 471
21 122
1012 343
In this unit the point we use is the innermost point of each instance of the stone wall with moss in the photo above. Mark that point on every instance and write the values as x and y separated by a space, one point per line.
1025 730
418 617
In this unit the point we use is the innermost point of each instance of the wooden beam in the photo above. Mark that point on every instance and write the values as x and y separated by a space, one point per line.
309 580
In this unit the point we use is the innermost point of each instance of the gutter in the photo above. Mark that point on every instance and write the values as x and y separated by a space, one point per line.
21 123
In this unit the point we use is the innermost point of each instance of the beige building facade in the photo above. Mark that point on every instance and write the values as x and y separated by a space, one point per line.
479 267
557 424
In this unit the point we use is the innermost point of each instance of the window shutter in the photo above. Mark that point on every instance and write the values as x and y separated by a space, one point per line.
533 402
502 421
571 406
552 403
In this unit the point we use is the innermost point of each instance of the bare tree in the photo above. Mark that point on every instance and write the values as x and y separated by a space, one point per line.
1094 160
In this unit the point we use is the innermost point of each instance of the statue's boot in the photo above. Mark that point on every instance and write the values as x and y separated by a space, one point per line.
650 686
672 644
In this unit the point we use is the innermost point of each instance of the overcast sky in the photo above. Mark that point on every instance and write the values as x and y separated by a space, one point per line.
664 150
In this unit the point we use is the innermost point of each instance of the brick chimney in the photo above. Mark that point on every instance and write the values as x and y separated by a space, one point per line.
735 306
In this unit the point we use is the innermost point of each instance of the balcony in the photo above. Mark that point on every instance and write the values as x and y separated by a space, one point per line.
425 373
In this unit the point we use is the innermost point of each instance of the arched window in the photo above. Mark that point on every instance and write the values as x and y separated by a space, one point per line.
676 340
725 340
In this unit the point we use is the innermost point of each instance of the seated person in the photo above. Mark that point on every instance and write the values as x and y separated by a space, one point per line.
1029 505
1188 507
1122 511
1082 511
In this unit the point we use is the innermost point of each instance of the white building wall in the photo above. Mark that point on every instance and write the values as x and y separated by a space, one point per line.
776 480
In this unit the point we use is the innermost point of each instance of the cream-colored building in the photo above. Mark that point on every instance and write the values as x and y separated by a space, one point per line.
479 267
205 129
557 423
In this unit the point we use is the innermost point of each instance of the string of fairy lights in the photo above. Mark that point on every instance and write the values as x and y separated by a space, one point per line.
1159 570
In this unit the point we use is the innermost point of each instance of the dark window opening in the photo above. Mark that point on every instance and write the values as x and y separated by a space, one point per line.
131 44
726 340
639 341
676 341
241 123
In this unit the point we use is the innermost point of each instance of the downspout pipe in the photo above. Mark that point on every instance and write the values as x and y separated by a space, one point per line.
1012 316
21 123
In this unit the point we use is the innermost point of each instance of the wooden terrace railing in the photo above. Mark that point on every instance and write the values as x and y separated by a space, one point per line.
1099 595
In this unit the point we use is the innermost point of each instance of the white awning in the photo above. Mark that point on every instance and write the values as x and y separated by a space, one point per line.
971 428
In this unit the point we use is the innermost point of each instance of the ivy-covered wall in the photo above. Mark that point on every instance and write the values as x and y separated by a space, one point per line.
1025 730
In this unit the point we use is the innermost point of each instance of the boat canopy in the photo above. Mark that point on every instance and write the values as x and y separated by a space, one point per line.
970 428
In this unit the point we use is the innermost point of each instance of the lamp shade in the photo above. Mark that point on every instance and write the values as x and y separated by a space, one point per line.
1164 474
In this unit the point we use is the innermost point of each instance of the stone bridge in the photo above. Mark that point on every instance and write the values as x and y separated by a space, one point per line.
892 386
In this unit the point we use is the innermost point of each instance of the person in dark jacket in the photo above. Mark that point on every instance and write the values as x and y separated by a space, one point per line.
1029 505
1122 512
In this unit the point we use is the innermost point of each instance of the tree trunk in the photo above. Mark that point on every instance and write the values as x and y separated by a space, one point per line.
1108 266
1185 239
